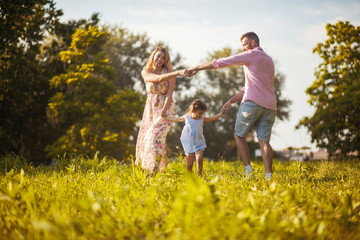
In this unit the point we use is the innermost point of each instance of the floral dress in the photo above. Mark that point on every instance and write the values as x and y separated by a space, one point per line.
151 151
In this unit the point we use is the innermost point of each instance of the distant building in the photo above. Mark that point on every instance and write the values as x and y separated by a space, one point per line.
320 155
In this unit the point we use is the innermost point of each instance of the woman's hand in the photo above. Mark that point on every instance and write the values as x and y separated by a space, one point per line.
164 113
183 72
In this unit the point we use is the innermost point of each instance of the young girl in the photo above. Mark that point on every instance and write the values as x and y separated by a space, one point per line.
192 138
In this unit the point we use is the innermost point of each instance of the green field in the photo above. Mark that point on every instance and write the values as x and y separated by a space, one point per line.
101 199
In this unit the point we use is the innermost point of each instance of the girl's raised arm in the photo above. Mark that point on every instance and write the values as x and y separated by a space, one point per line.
213 118
176 119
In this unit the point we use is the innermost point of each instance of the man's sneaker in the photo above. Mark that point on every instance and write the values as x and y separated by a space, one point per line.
248 175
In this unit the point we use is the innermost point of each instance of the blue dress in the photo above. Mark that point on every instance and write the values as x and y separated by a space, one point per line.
192 137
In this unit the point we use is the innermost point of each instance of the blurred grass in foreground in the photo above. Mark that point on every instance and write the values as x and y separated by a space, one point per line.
83 198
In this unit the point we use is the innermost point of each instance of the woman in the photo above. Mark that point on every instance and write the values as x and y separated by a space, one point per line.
159 78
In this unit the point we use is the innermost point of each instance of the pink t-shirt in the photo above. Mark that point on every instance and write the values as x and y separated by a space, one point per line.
259 76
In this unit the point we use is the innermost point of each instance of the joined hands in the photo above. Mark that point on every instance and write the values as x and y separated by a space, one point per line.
191 72
188 72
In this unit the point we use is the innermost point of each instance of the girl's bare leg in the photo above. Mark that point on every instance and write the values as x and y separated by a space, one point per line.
189 163
199 161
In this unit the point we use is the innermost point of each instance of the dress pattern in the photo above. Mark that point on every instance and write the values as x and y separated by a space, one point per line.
151 152
192 137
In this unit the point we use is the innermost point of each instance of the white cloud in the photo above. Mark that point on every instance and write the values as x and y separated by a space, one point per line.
155 12
315 11
314 34
194 41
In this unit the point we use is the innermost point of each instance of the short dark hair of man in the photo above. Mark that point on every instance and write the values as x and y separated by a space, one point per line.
251 36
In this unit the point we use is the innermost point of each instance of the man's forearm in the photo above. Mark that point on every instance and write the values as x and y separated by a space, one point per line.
237 97
204 66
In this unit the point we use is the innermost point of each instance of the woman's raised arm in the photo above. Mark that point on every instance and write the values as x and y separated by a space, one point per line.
153 77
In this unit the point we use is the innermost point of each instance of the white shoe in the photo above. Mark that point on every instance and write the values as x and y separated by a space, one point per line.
248 175
268 176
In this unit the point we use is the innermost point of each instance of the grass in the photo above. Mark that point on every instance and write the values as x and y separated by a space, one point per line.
100 199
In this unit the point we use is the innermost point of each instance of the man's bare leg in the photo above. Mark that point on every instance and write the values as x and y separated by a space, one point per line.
267 155
243 149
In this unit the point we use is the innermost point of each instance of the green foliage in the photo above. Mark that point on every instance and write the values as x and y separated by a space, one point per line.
128 54
95 114
24 88
101 199
12 162
31 40
216 89
60 41
336 91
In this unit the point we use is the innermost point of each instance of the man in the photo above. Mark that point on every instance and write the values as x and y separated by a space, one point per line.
258 99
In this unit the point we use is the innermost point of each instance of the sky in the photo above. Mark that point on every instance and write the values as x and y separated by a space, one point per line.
288 32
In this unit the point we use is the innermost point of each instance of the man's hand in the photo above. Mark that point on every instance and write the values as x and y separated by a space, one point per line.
192 71
226 106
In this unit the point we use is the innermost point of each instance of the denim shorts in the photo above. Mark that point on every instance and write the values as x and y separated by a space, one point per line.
252 115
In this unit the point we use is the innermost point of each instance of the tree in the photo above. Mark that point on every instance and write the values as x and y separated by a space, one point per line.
128 54
218 87
335 92
23 81
60 40
31 38
94 113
